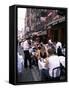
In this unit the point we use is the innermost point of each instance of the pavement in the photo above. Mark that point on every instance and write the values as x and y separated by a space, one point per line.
28 74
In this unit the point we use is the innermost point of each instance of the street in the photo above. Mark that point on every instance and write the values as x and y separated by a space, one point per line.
28 74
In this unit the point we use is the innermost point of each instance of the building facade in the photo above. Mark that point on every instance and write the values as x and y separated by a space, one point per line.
46 24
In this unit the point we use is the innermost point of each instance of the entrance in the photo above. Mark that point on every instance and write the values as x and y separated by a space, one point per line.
59 35
55 35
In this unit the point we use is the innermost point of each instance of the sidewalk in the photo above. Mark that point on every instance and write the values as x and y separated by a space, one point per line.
30 75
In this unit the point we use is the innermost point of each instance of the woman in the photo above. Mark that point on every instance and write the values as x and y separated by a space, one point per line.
37 55
43 64
20 66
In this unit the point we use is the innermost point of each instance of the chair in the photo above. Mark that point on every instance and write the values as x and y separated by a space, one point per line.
62 70
56 73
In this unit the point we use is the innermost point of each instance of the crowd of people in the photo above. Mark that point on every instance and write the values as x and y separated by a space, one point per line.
46 57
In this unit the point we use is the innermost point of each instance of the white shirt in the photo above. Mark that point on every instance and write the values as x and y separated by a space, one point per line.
62 60
42 64
30 50
26 45
63 51
53 63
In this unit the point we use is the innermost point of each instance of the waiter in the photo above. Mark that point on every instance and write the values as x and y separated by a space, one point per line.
26 47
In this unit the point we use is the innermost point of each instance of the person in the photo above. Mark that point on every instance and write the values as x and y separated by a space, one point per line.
63 50
42 63
27 56
59 51
32 53
58 44
49 45
53 63
37 55
42 52
22 44
20 65
62 65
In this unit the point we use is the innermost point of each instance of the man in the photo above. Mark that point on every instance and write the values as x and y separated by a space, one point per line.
20 65
59 44
26 47
53 62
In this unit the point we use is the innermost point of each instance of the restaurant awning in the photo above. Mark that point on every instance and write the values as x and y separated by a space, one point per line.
54 22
